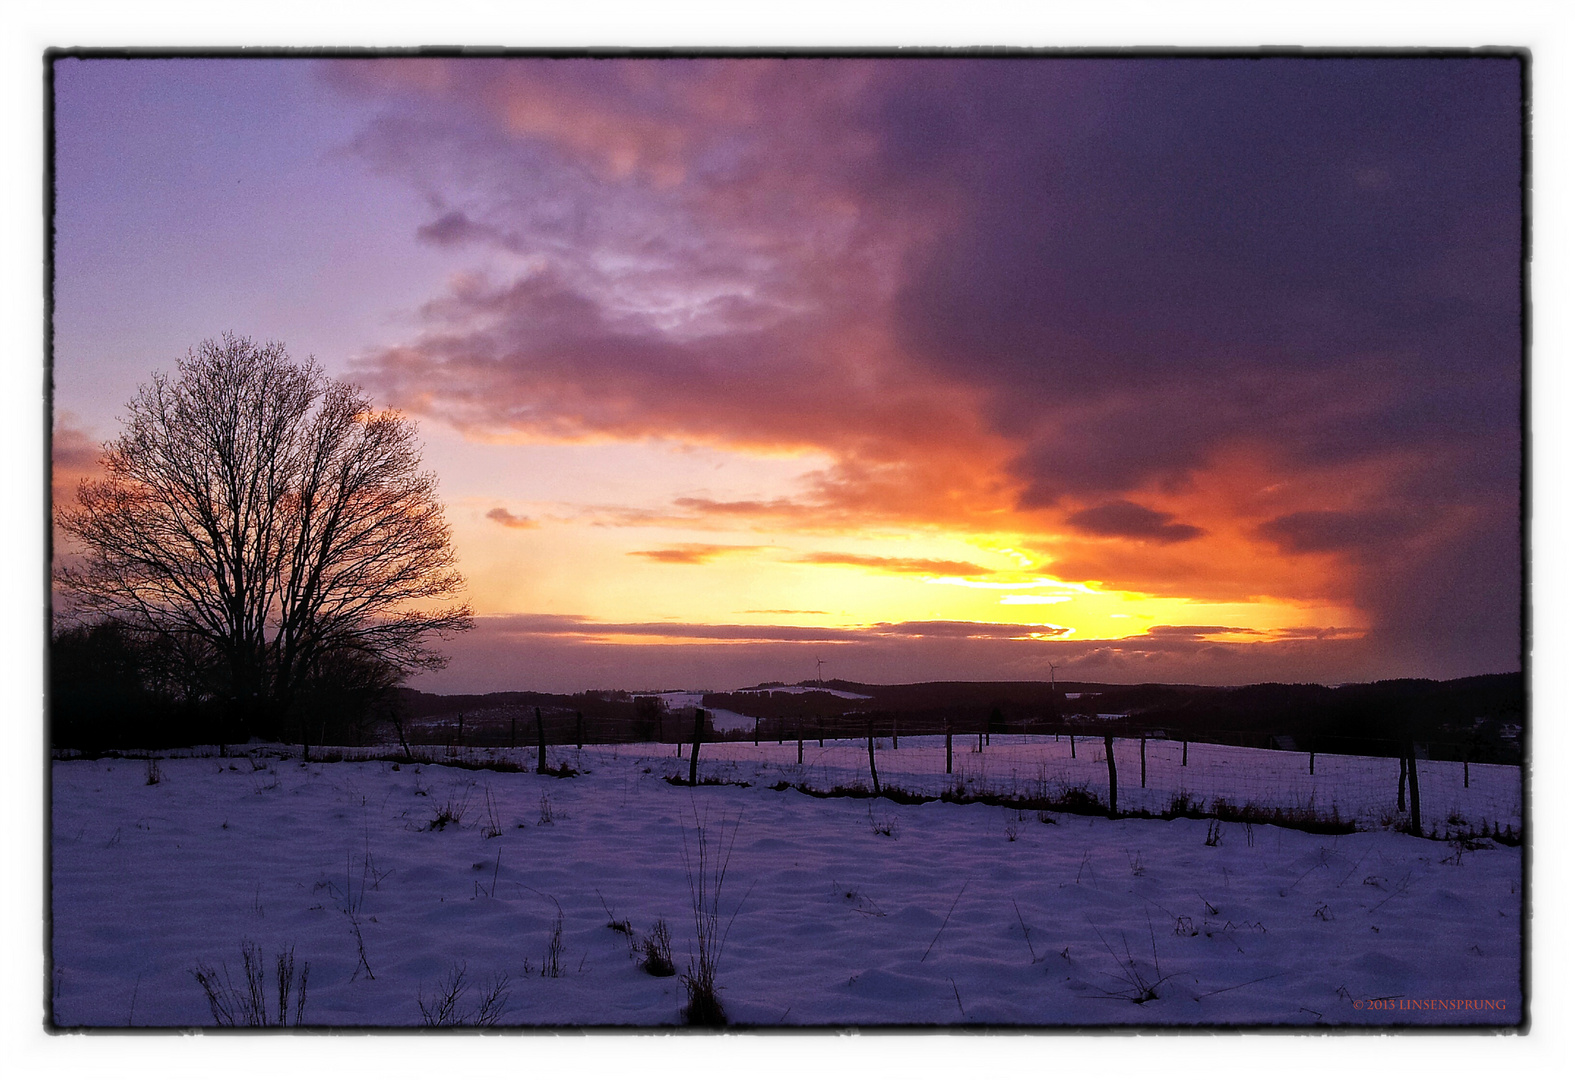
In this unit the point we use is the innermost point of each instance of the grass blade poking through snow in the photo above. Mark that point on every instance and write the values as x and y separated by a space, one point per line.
706 871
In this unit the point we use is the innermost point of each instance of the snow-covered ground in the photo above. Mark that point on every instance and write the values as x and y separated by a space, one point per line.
849 911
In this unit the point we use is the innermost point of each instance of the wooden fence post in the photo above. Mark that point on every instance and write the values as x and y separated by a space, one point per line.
1110 764
541 744
948 746
801 747
869 734
1465 764
1071 737
1312 758
399 729
1416 801
1143 760
513 717
694 753
757 731
579 731
1400 788
1183 753
894 731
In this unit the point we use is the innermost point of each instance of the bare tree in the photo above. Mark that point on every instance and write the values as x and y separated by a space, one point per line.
268 522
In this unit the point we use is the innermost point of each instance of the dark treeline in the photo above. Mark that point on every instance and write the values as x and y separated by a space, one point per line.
112 689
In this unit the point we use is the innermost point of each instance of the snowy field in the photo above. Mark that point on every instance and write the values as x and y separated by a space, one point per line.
849 911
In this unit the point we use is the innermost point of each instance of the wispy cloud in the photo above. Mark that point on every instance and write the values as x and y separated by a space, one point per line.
694 554
508 520
893 564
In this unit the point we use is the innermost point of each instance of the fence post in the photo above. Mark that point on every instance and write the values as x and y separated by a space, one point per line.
1400 788
869 734
541 744
1143 759
1416 801
694 753
820 726
1072 738
1110 763
579 731
399 729
1183 753
801 747
513 718
1312 757
948 746
757 731
894 731
1465 764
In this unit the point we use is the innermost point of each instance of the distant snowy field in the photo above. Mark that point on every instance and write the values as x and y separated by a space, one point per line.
946 920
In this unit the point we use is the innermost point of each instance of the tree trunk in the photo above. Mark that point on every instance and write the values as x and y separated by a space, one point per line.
1110 764
694 753
541 744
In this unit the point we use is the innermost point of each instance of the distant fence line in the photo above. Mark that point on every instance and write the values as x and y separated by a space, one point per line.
565 727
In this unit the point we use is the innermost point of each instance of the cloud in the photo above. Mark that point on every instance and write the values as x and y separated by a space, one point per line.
988 292
566 653
894 565
508 520
73 457
1129 521
694 554
1332 530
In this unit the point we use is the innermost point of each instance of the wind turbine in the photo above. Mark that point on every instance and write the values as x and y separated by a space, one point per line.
818 678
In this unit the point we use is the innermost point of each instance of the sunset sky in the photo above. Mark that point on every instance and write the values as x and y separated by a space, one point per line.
1186 370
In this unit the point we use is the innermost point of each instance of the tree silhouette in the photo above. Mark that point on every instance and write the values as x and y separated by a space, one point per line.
270 525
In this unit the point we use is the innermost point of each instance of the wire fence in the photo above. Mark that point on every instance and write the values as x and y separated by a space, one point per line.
1434 790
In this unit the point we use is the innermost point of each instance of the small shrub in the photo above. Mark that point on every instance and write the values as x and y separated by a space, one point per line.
154 775
552 963
444 1009
490 826
247 1006
1013 823
657 951
885 825
1213 837
453 811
